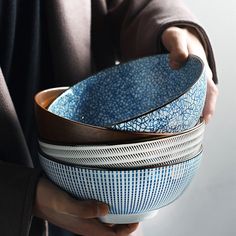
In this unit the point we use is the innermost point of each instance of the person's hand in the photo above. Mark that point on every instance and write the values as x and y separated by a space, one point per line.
181 42
79 217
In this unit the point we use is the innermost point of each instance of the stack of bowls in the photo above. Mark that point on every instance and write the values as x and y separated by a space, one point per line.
130 136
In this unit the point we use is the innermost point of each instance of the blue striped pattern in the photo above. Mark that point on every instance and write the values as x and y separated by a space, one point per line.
125 191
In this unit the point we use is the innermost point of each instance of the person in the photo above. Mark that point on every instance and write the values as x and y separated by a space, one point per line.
53 43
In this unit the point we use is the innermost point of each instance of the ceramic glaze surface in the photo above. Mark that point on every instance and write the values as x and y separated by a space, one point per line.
179 115
125 191
126 91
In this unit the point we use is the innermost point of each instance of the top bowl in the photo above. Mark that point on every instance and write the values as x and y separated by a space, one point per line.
128 91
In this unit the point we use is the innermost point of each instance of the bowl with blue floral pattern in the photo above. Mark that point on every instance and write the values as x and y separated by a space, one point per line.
133 195
143 95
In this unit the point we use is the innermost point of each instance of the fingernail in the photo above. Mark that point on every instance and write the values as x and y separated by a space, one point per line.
133 226
102 209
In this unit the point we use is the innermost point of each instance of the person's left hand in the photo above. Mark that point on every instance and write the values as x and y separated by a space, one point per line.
181 42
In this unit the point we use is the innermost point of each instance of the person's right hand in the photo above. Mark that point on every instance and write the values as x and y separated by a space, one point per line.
79 217
181 42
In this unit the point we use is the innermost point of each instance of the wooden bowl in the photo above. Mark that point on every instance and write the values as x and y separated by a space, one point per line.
57 130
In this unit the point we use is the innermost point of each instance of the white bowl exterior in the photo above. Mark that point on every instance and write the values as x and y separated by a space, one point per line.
165 156
128 155
125 191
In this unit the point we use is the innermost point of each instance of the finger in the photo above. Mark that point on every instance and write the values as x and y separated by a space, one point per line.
50 197
194 44
108 224
77 225
97 228
93 227
86 209
175 41
86 227
211 98
124 230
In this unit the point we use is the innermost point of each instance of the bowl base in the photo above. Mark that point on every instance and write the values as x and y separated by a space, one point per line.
127 218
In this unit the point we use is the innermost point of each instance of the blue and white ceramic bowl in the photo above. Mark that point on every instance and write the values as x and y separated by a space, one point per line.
133 195
141 95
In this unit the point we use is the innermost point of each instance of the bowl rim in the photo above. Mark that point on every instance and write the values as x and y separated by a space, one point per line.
198 126
109 126
117 169
174 98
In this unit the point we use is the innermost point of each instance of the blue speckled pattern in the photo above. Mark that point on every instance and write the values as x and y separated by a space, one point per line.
123 92
179 115
125 191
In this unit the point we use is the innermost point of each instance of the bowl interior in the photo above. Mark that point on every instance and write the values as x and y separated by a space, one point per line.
126 91
179 115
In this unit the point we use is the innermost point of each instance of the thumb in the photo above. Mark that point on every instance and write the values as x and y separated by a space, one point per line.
88 209
50 198
175 41
210 102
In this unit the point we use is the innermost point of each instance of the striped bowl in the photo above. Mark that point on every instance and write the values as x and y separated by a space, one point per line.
133 195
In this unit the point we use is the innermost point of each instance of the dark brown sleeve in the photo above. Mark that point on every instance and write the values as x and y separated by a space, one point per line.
137 26
17 181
